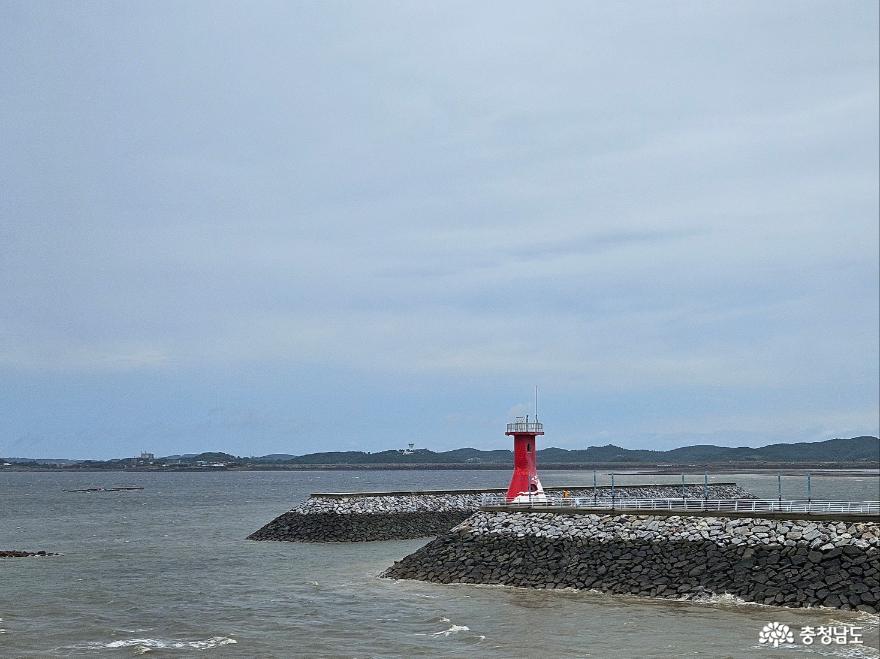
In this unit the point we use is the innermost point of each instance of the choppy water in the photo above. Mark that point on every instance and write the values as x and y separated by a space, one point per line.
167 571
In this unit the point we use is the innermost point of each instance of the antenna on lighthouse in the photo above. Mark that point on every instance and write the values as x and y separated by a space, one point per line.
536 402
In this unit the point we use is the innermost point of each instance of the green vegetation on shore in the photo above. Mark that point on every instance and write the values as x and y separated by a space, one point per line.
851 452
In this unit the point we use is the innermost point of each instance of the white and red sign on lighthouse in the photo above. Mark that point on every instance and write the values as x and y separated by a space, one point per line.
525 485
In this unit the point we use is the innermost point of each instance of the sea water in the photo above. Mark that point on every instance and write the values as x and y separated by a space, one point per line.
167 571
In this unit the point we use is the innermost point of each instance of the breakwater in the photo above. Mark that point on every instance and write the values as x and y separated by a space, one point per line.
368 516
781 562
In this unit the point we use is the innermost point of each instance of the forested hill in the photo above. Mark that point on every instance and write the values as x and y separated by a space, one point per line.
855 449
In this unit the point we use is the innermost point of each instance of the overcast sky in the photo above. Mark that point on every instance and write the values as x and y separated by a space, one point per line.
268 227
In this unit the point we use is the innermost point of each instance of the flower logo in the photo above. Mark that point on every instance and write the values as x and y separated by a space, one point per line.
775 633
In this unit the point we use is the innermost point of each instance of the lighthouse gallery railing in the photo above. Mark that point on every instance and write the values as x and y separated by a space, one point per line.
525 426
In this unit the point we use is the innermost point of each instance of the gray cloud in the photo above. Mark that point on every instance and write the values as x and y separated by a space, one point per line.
582 194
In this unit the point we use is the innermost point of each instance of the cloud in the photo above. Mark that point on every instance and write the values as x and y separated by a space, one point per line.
680 198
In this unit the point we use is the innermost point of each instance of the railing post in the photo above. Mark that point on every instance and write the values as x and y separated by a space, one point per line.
705 489
809 488
594 487
779 486
612 491
683 496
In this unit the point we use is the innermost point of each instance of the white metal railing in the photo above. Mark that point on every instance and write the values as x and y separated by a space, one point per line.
685 504
525 426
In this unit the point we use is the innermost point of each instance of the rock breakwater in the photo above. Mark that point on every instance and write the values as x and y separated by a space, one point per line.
362 517
787 563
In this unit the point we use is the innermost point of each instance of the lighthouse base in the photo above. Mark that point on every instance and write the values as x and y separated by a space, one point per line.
529 497
525 488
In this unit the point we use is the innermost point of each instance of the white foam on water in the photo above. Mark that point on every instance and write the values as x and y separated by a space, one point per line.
147 644
722 598
864 616
847 651
212 642
452 630
725 599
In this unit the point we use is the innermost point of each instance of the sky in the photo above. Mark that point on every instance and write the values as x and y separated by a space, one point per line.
288 227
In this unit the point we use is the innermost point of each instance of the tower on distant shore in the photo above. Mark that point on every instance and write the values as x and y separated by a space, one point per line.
525 485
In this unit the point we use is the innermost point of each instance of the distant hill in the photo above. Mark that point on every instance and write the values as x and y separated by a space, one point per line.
854 450
42 461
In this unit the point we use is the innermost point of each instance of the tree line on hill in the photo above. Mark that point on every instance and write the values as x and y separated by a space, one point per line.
863 449
855 449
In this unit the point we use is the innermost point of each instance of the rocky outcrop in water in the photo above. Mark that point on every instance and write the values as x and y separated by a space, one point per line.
366 517
15 553
788 563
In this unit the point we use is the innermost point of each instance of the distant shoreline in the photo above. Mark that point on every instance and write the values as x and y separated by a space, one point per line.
817 468
839 453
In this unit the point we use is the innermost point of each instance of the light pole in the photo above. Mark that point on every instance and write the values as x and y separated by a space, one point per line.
612 491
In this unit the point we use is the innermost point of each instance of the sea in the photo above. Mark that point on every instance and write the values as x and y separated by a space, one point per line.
166 571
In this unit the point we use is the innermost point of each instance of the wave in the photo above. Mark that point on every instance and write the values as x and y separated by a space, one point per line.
716 598
146 644
452 630
848 652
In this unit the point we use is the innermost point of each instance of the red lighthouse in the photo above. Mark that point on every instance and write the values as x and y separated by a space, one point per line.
524 485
